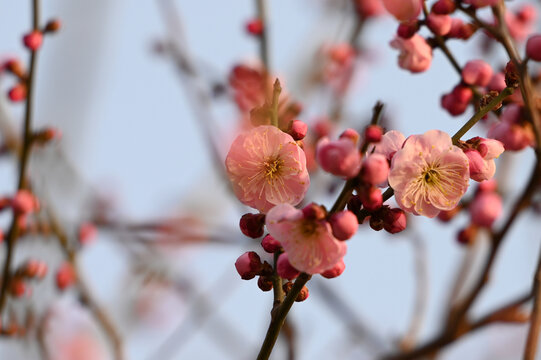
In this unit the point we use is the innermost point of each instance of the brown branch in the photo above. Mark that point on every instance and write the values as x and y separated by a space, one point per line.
278 317
421 295
264 37
535 320
14 229
496 316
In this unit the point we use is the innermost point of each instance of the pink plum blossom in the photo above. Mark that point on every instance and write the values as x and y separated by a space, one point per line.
266 167
390 143
403 10
340 157
308 241
415 53
429 174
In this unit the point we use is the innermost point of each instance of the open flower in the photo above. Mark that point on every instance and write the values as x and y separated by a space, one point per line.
307 239
429 174
390 143
267 167
415 53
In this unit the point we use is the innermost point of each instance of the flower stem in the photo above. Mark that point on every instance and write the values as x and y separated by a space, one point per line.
279 317
482 112
277 89
14 230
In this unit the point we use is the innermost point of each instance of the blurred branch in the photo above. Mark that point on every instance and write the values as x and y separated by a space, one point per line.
421 294
84 292
264 37
14 229
535 321
201 311
196 92
356 326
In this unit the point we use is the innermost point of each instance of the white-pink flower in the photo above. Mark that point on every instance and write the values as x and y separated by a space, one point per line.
390 143
429 174
308 241
415 53
267 167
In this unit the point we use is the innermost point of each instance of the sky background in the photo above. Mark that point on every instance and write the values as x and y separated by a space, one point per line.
130 133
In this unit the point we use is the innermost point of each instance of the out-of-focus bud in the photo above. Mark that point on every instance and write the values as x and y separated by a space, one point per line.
33 40
486 208
65 276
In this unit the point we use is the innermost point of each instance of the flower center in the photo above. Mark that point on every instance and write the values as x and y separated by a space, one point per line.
308 227
272 168
431 176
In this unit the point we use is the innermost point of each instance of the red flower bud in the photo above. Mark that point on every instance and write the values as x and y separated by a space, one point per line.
251 225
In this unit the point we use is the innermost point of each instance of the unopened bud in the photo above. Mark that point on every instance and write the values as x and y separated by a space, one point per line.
65 276
344 224
284 269
33 40
251 225
303 294
394 220
335 271
248 265
298 130
270 244
373 133
264 283
53 26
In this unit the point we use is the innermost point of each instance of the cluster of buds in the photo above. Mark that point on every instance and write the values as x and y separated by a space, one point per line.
32 41
23 203
28 271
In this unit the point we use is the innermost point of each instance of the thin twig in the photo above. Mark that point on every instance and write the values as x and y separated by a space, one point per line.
14 229
279 316
421 294
264 37
535 320
84 292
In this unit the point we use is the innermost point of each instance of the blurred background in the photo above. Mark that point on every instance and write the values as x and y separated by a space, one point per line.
141 95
